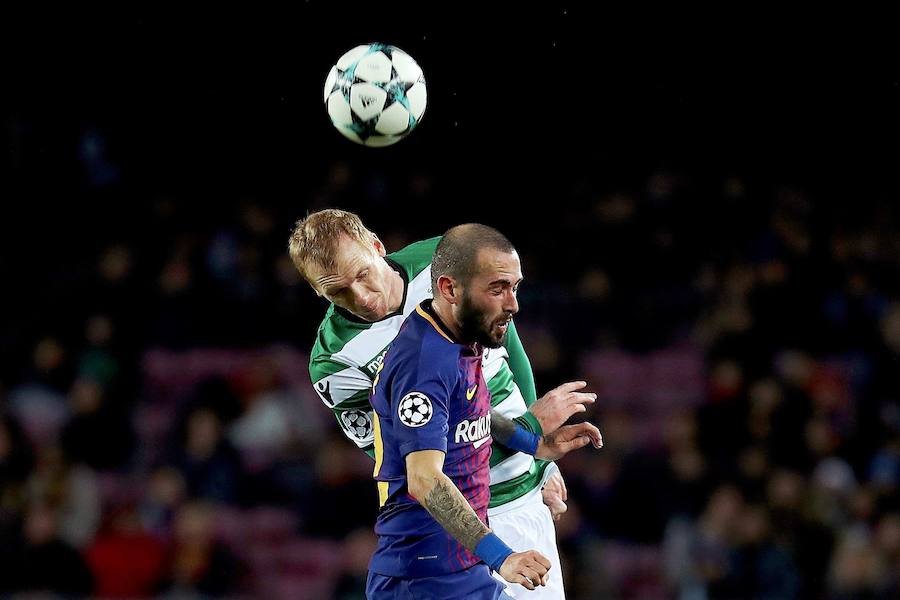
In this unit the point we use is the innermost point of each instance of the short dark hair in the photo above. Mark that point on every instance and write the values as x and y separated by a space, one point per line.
457 252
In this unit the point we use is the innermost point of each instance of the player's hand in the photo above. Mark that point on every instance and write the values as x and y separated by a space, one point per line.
556 406
567 438
555 495
525 568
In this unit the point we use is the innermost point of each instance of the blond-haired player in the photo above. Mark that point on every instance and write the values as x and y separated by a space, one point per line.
371 293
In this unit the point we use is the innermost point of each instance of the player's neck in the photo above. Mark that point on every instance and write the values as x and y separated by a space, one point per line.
444 312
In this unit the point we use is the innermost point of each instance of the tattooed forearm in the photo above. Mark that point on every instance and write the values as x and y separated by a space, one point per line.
501 427
451 509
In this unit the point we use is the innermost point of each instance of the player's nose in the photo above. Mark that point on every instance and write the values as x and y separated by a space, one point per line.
511 304
361 297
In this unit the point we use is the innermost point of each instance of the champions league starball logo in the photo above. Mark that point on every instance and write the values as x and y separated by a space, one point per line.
357 423
415 409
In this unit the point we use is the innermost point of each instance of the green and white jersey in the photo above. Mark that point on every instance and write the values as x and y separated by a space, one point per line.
348 352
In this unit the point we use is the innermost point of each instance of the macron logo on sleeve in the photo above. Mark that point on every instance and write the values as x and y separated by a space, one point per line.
323 388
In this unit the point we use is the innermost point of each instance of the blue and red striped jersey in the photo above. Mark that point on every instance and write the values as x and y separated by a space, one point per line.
430 394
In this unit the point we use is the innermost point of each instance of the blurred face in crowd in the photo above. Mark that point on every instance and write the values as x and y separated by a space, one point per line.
204 431
194 524
488 300
166 487
40 525
360 281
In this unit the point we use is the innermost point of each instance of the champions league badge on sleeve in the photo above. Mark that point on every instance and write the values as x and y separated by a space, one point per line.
415 409
357 423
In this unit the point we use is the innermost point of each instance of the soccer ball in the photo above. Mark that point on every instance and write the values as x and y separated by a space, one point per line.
415 409
375 94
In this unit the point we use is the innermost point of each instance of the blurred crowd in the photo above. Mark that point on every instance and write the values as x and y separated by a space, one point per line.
159 437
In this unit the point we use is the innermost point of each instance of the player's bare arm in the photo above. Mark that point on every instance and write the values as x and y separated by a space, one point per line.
429 485
551 445
436 492
502 429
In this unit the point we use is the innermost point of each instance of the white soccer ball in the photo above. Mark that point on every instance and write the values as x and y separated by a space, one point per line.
375 94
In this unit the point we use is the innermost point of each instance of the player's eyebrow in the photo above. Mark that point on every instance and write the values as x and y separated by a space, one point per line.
505 282
330 283
330 286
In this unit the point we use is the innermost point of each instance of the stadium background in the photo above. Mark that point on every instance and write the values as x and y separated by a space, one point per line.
709 233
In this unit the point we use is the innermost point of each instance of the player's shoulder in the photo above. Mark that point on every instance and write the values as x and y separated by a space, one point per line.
421 341
334 332
416 257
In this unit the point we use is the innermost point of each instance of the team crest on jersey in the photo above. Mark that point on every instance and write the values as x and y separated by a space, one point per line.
357 423
415 409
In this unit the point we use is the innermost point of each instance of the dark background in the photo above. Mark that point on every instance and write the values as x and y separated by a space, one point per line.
221 103
663 174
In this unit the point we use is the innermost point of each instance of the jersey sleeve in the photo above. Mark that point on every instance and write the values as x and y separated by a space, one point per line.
345 390
523 376
520 365
415 257
419 398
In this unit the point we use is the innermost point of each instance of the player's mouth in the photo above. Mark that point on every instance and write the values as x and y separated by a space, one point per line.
370 313
503 324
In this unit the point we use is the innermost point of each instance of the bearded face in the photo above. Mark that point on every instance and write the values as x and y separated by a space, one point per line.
484 322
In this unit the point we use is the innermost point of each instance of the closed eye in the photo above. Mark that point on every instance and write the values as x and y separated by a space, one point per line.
499 289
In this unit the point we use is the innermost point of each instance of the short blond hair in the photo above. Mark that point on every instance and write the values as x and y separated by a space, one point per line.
315 238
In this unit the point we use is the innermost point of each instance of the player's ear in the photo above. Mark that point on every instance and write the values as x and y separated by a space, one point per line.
447 289
379 247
